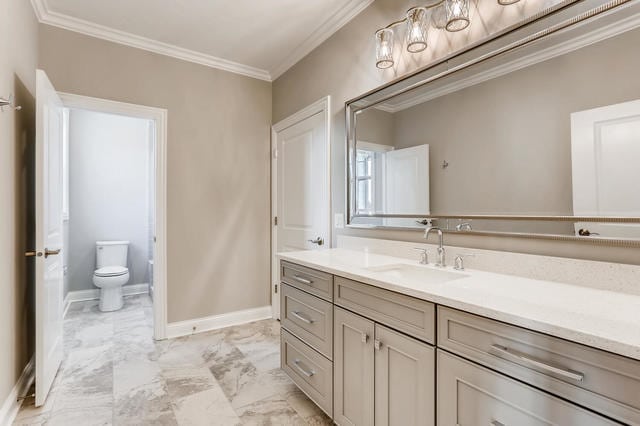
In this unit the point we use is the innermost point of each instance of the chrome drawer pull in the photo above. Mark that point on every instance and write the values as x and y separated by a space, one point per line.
519 357
301 317
302 370
302 280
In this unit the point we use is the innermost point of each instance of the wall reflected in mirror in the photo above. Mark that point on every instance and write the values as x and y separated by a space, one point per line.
557 138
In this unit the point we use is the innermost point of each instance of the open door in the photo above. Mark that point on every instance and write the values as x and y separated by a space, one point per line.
49 235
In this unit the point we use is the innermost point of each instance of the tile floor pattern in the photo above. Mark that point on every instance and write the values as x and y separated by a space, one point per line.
115 374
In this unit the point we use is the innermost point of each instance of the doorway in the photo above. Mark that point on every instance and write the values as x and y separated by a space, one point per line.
152 122
301 183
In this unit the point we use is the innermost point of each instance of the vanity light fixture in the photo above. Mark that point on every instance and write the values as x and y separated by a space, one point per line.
451 15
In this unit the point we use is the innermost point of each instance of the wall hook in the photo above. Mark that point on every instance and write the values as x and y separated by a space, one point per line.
10 103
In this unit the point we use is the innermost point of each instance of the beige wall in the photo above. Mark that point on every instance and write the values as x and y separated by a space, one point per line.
218 164
18 59
376 126
343 67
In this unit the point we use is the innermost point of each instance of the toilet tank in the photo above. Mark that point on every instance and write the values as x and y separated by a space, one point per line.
111 253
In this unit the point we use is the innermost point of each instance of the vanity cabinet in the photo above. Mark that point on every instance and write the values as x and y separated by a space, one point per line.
371 356
381 376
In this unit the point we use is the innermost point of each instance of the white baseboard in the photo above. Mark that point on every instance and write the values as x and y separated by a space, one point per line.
11 405
199 325
94 294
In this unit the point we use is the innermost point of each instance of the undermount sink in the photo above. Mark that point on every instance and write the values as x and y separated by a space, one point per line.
419 273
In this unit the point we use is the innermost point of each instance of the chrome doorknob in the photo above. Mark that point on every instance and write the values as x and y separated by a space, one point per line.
48 252
319 241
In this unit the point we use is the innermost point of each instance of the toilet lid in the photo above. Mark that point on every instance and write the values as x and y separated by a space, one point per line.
111 271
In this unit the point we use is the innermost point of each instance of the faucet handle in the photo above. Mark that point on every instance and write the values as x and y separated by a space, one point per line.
458 263
424 257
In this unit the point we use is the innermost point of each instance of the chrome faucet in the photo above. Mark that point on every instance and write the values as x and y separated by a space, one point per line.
441 259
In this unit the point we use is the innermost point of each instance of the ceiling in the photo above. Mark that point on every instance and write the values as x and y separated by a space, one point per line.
257 38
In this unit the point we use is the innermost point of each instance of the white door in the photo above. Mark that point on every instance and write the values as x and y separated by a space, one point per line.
301 190
48 192
605 153
406 184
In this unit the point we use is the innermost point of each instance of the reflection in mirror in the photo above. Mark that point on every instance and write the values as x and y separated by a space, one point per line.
560 137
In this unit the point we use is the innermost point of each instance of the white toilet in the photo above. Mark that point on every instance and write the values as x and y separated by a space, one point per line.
112 273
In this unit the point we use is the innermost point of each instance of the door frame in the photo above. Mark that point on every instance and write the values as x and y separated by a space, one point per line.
320 106
159 117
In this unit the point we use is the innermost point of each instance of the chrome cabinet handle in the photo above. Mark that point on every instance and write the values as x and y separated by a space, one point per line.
319 241
301 317
302 370
365 337
48 252
521 358
302 280
377 344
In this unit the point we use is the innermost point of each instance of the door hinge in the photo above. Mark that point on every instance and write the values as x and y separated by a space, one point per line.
275 221
276 289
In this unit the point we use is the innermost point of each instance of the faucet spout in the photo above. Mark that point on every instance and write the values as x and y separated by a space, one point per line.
441 251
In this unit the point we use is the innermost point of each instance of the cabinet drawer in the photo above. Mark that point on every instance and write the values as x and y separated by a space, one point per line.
412 316
308 318
604 382
315 282
470 395
309 370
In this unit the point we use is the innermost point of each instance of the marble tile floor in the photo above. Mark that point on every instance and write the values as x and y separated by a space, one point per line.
115 374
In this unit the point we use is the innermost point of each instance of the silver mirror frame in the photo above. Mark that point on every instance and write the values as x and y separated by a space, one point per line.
566 14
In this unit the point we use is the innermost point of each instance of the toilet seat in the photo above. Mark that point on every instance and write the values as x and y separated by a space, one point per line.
111 271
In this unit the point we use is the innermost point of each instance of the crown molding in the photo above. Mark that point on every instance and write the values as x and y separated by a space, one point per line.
46 16
326 30
627 24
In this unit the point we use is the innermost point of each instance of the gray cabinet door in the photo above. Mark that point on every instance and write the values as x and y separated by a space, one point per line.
470 395
404 380
353 367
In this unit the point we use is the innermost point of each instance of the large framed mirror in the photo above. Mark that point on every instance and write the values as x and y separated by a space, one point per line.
534 132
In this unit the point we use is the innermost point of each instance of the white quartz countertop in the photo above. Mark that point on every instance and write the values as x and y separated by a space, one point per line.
603 319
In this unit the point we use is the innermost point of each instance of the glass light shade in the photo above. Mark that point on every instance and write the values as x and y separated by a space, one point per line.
507 2
384 48
457 15
417 29
439 17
